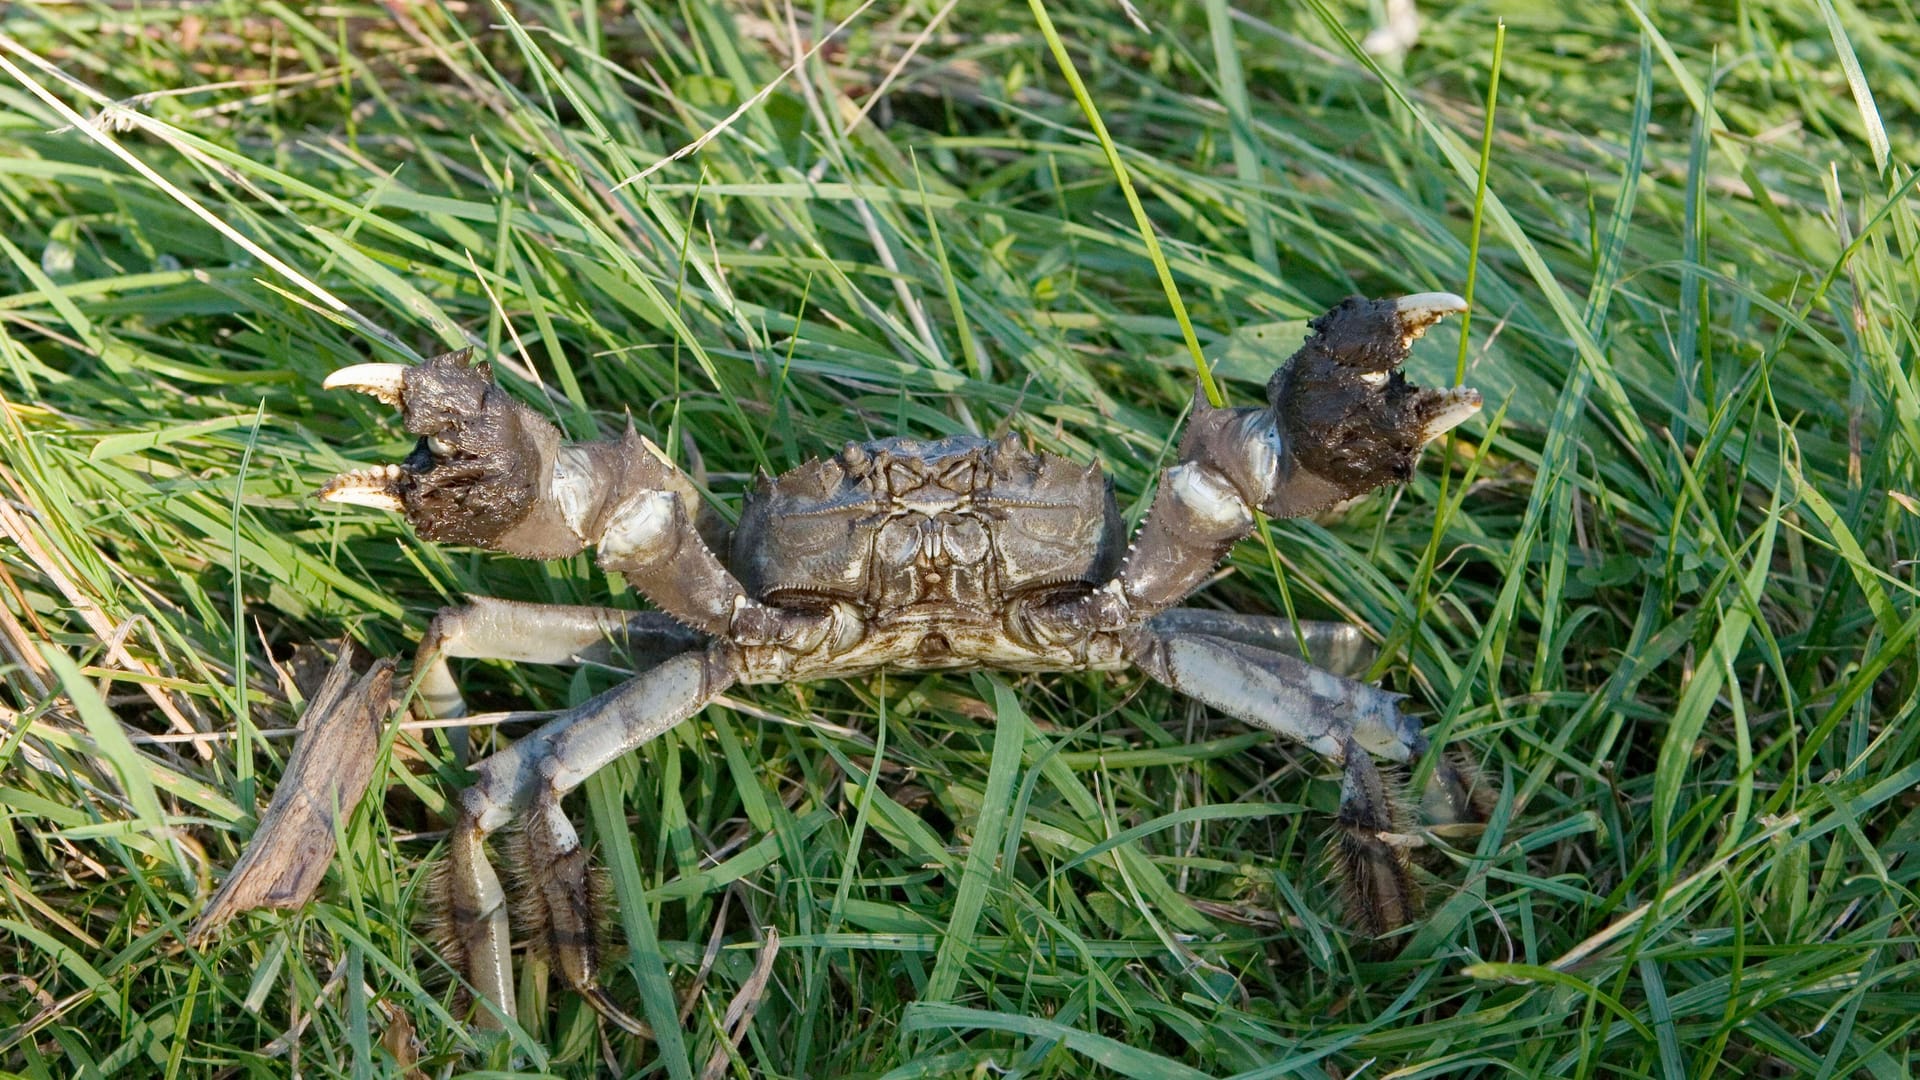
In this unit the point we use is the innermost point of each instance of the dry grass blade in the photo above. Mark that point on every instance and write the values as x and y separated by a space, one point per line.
745 1004
15 526
331 764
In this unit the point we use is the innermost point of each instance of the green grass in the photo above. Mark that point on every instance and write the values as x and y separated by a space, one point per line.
1663 590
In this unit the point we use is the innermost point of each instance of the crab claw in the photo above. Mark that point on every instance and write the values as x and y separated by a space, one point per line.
1346 412
478 472
1450 407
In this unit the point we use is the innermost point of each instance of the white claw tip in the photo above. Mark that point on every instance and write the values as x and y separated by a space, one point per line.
1428 306
383 381
378 500
1463 401
365 487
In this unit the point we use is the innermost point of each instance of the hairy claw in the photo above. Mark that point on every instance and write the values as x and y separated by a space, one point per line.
483 460
1340 420
1346 413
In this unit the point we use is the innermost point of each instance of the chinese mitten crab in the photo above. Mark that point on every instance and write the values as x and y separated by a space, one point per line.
899 554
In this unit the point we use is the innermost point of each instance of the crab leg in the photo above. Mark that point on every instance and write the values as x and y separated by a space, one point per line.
1346 721
1336 718
528 780
1337 647
1370 858
1279 692
1454 793
489 629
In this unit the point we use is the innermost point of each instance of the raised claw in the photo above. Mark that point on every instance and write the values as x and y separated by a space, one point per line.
1340 420
1346 412
481 468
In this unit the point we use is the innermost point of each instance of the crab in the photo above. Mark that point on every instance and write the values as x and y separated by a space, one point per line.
899 554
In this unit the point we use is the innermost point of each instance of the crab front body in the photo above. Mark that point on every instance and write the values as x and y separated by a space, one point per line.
925 555
899 554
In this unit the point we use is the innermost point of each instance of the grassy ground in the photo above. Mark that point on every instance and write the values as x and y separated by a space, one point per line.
1664 590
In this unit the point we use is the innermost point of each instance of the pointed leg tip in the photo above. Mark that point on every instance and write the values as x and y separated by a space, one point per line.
1457 794
1374 877
614 1014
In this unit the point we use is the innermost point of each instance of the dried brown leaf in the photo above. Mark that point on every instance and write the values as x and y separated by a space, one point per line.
325 778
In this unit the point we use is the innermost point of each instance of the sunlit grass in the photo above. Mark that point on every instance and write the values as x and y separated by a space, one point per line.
1662 590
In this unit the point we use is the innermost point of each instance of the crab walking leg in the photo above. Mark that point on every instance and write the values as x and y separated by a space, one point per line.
1335 646
1370 847
489 629
1337 718
1453 794
1279 692
528 779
